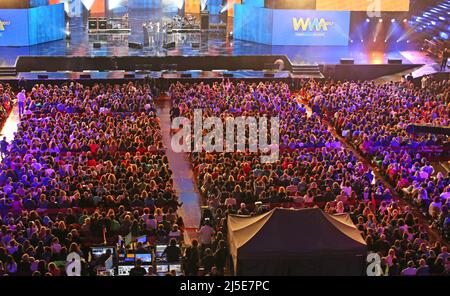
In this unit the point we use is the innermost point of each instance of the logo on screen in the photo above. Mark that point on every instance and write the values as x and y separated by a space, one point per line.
311 25
3 24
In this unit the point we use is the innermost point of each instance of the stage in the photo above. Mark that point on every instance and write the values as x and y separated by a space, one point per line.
211 44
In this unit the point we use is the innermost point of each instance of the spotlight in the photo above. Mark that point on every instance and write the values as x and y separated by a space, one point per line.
393 20
380 20
374 40
385 41
362 41
351 41
407 41
367 20
405 20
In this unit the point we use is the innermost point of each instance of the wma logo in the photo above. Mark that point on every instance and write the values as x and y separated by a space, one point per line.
309 24
3 24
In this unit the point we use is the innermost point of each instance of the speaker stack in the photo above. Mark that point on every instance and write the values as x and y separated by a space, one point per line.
135 45
170 45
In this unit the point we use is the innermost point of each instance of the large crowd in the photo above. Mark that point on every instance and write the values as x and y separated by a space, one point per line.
316 169
87 165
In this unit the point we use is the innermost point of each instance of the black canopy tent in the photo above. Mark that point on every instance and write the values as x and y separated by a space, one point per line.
296 242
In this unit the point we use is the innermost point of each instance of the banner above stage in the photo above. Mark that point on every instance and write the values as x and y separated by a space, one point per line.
23 27
310 27
291 27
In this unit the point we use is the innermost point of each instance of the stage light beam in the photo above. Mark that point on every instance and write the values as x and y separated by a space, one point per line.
224 8
203 4
113 4
88 3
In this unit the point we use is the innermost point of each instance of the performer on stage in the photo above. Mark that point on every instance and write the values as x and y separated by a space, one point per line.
444 59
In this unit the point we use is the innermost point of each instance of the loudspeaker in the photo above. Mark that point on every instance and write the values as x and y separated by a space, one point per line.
204 21
102 25
85 76
347 61
395 61
227 75
169 45
97 45
129 76
271 75
135 45
186 75
92 24
42 76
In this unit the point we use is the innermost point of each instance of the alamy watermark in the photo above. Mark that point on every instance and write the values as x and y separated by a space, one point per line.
231 134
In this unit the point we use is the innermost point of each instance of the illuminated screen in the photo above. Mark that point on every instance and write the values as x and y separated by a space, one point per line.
22 27
146 258
176 267
126 258
162 268
46 23
142 239
363 5
310 27
160 249
14 27
124 270
98 251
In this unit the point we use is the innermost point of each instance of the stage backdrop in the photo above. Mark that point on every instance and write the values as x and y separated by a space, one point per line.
291 27
22 27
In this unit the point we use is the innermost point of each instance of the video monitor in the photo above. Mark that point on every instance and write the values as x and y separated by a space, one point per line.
98 251
109 263
146 257
124 270
176 267
159 249
162 269
142 239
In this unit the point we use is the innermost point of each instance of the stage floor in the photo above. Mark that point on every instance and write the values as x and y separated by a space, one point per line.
81 44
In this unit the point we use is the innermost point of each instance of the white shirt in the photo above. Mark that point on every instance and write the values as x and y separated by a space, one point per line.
205 235
21 97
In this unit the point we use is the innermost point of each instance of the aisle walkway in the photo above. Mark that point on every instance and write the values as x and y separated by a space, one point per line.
10 126
11 123
183 176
